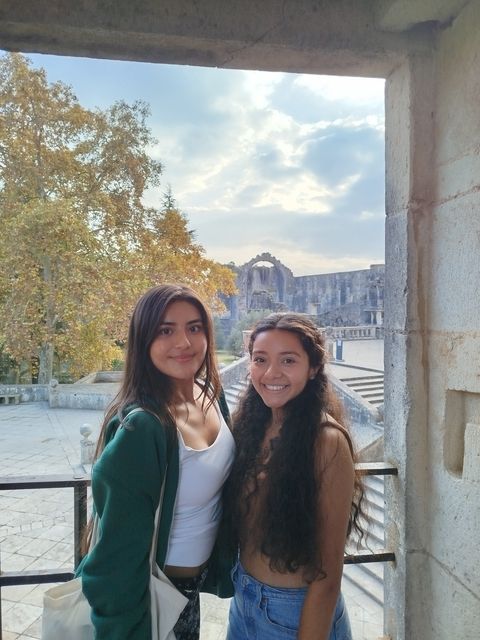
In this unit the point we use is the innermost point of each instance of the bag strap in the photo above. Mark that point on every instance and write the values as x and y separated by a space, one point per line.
222 403
95 534
156 528
158 512
95 526
127 415
168 436
95 529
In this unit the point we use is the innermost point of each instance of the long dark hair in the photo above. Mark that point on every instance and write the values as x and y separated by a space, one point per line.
142 382
286 523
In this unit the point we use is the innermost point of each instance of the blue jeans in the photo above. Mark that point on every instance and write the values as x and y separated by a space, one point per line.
261 612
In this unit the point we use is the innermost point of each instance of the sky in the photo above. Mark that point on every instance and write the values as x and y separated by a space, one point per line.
259 162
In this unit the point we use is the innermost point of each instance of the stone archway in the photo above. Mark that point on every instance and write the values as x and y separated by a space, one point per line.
264 287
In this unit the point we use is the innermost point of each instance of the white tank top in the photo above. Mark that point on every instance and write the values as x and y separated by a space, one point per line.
198 506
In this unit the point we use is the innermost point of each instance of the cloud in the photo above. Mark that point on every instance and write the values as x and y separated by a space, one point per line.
311 98
337 152
351 93
286 163
366 215
297 259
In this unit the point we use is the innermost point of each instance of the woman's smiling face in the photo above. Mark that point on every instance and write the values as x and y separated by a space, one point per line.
279 367
180 347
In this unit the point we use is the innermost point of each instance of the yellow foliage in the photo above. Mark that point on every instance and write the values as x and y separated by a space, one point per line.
78 247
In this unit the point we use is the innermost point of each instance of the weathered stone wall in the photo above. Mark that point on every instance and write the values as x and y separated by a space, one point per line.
358 409
453 300
346 298
83 396
432 348
28 392
88 394
234 372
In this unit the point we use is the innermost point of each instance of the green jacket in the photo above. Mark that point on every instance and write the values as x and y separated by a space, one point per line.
126 483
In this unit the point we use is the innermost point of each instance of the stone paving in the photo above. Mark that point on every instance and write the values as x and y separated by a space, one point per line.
364 353
36 526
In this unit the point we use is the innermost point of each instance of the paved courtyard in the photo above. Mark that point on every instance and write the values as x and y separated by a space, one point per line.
36 527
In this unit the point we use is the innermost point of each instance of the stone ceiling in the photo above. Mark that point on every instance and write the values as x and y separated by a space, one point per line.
355 37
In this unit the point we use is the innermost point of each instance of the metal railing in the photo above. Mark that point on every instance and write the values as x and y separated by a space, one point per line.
80 485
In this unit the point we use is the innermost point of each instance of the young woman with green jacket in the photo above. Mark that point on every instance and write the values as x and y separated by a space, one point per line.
179 436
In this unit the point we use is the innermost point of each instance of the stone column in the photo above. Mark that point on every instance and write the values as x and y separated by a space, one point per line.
432 338
409 185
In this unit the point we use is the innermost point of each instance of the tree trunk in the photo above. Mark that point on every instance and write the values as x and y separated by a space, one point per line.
46 363
45 368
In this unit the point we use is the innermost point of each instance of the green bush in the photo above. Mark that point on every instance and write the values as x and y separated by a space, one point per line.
235 339
117 365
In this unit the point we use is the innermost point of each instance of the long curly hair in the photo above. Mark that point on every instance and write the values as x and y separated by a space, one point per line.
286 523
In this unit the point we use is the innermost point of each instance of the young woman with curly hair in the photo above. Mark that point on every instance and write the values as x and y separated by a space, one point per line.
293 492
168 424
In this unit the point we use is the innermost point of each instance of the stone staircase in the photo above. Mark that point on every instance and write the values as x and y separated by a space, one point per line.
369 576
233 393
370 387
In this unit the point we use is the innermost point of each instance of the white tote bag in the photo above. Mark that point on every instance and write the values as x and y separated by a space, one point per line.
166 601
166 605
66 611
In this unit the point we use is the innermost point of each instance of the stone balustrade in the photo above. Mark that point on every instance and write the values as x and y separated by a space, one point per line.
27 392
364 332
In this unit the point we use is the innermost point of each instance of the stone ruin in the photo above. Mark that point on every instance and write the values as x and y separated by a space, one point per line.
347 298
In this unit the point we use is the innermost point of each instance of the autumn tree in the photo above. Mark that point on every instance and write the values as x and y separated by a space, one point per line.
78 245
168 252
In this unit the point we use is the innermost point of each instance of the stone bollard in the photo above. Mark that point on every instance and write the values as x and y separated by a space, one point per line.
53 389
87 446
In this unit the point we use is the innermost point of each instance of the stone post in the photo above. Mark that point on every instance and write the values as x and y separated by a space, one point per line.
409 177
87 446
53 393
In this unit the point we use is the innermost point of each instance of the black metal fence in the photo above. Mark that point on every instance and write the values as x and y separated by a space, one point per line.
80 485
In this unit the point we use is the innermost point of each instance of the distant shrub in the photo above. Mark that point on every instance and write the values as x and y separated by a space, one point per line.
117 365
